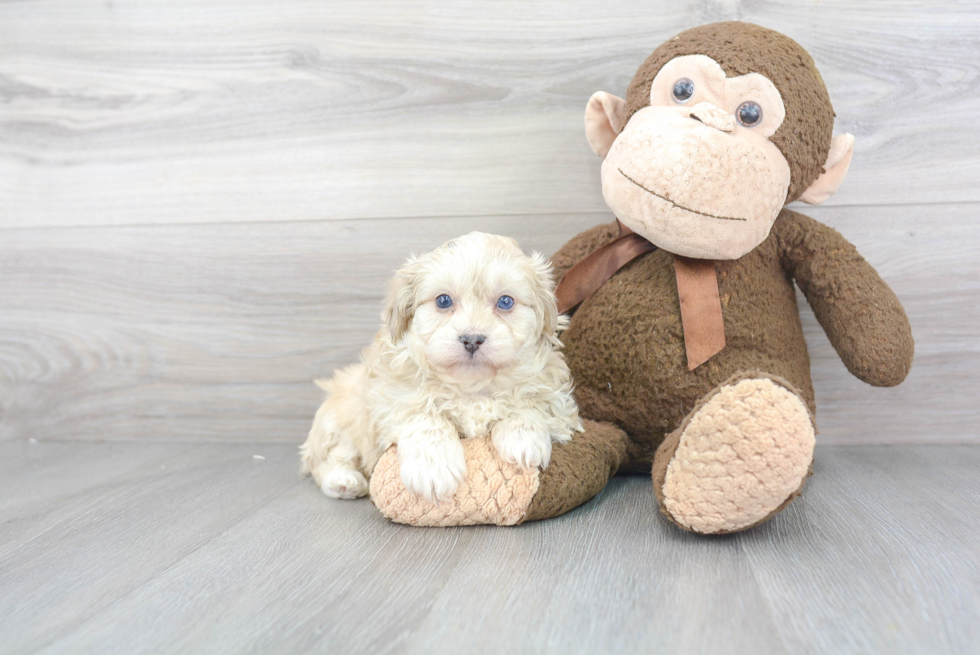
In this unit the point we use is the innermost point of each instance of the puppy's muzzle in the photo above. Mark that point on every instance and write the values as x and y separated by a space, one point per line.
472 342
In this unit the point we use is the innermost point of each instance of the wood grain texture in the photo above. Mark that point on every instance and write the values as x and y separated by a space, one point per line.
896 533
106 531
205 549
214 332
127 112
48 482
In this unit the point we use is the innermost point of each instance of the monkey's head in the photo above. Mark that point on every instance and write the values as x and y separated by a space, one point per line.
721 126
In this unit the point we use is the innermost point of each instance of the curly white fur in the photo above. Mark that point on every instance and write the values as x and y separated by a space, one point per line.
420 387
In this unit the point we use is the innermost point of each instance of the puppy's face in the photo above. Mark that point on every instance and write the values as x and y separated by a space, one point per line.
474 306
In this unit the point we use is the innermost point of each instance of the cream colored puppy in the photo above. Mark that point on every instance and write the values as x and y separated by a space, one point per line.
468 348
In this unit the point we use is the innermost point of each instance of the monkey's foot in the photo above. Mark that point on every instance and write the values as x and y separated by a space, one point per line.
739 458
500 493
494 491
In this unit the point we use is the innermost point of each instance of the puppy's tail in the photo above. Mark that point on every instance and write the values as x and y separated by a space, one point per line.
322 383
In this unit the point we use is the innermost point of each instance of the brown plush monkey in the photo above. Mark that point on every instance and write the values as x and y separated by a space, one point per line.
685 343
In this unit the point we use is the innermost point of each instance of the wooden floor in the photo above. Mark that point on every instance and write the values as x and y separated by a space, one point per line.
164 547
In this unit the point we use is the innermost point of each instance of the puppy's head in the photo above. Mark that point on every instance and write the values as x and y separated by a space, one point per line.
474 306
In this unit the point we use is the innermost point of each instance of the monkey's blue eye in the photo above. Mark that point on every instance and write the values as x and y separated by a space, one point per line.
505 302
444 302
749 113
683 90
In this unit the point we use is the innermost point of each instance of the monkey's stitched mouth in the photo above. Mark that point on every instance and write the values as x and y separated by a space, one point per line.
668 200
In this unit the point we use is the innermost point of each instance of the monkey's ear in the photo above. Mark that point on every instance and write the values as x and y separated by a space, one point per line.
838 161
605 116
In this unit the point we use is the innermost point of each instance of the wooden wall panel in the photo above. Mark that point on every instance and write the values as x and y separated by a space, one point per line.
156 112
200 201
213 332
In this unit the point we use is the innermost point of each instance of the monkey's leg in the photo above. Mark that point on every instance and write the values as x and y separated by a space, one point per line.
738 458
499 493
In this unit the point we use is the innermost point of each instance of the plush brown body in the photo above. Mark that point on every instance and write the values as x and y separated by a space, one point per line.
625 344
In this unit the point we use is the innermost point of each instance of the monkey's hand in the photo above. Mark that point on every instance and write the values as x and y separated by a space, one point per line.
861 315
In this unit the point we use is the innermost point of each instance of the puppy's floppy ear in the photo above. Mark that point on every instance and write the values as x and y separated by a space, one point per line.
400 303
546 306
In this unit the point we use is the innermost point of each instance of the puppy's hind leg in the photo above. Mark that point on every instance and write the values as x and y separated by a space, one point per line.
332 458
340 479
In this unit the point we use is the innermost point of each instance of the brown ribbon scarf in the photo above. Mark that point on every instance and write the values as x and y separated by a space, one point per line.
697 286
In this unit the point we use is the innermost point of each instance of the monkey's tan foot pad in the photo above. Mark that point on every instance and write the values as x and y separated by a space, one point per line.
737 459
494 491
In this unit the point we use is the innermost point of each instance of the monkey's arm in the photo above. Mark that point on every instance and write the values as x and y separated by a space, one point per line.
581 246
859 312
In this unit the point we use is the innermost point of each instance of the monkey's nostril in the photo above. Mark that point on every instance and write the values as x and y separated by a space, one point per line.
472 342
696 118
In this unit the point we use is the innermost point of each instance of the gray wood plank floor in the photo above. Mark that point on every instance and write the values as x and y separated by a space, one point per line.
181 548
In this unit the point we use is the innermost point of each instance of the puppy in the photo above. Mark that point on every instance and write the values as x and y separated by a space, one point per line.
468 348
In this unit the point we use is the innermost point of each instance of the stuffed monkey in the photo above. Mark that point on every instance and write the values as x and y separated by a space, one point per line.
685 342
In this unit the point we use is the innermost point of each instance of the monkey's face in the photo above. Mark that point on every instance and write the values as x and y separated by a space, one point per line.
722 125
695 172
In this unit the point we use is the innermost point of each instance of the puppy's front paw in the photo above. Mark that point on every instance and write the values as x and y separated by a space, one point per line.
433 471
522 443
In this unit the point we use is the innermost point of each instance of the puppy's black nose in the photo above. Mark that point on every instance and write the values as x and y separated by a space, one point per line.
472 342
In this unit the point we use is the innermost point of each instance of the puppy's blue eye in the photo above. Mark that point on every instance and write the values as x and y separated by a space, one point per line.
444 302
505 302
